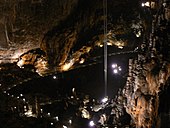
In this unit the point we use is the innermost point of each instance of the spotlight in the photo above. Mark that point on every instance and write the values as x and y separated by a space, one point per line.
52 123
82 61
146 4
91 123
64 126
115 71
114 65
70 121
120 69
116 68
48 114
54 77
105 99
57 118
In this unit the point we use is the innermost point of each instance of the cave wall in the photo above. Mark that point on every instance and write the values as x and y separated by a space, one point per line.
23 24
149 75
59 27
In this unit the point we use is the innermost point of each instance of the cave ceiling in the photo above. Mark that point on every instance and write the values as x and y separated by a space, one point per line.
47 36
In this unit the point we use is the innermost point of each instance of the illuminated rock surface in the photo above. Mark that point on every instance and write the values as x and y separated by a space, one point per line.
149 77
44 37
61 28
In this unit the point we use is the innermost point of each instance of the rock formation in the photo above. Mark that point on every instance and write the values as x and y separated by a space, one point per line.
148 75
44 37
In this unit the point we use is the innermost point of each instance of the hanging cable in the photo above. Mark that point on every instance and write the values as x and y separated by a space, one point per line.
105 45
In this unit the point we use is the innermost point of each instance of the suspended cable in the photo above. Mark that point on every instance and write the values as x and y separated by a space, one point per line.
105 44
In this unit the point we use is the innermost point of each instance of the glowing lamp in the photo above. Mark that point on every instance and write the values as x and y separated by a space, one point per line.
115 71
100 45
114 65
120 69
82 61
70 121
54 77
105 99
146 4
91 123
64 126
57 118
48 114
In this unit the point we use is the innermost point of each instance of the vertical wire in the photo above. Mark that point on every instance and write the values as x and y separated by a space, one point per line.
105 45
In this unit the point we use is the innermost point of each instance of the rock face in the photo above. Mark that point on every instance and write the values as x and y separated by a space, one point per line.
144 84
47 36
61 27
23 23
148 76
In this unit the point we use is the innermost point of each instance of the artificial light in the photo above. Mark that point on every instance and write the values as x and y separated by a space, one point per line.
54 77
82 61
147 4
57 118
115 71
114 65
70 121
91 123
116 68
105 99
64 126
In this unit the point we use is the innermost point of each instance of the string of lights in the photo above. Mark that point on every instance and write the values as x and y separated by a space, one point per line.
96 60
